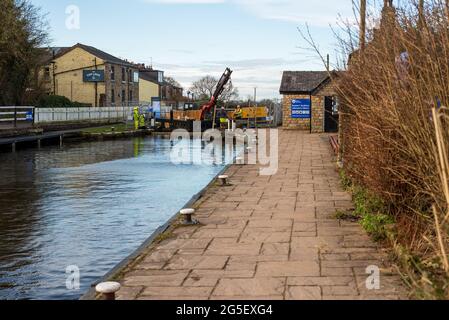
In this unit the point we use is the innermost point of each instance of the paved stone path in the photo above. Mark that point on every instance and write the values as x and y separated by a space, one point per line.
268 238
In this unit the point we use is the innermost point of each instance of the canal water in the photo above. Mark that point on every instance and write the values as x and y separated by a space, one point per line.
87 205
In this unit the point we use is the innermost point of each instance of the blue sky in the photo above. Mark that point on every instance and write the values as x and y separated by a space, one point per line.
188 39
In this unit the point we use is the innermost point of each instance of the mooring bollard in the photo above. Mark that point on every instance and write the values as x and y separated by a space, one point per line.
187 214
108 289
224 180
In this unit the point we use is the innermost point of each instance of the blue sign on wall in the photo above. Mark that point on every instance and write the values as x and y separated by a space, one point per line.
93 75
301 109
29 116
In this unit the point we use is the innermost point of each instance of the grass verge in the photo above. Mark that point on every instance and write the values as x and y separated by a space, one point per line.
423 276
370 211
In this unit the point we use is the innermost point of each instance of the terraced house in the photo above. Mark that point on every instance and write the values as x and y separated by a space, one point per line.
88 75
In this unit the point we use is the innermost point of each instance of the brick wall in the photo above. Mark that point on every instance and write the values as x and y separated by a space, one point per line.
288 122
119 86
304 124
317 114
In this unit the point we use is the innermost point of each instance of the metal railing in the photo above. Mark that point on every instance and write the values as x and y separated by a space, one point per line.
14 116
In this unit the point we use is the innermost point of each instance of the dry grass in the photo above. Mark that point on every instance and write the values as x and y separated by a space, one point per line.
395 133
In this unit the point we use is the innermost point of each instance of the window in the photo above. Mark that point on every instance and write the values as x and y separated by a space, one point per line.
160 76
123 97
47 73
112 96
112 73
130 95
123 75
130 76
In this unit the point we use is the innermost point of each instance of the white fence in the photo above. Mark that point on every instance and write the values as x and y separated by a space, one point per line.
49 115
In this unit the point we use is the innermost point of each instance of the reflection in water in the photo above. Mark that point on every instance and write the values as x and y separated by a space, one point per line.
88 205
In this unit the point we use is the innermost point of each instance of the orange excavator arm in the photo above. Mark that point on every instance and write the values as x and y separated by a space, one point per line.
225 78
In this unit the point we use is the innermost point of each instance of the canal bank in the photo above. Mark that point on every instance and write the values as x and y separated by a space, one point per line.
274 237
36 137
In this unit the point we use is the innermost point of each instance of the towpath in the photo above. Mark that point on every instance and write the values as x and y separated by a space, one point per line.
272 237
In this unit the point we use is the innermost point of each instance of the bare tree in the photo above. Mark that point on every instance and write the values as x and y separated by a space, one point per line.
205 88
171 81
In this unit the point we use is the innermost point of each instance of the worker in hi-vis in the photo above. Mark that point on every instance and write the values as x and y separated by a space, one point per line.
238 114
136 118
223 116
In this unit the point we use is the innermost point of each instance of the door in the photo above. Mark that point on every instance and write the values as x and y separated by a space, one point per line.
331 115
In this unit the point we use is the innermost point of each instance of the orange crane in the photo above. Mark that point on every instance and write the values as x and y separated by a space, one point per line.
218 91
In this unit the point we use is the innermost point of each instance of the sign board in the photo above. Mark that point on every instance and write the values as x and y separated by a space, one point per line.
29 116
156 108
301 109
93 75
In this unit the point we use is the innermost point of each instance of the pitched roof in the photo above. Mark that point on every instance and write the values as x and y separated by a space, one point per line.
98 53
302 81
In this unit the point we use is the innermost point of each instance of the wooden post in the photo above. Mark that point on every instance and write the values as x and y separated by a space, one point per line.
362 24
421 14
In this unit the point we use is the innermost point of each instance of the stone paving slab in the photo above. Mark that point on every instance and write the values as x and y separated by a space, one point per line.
268 238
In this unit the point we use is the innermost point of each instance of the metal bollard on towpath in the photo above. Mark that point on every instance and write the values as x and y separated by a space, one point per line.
108 289
224 180
188 219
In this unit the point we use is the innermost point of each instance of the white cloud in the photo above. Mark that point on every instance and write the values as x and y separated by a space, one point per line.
265 74
314 13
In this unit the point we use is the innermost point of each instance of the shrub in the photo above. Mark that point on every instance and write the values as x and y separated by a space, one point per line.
54 101
395 131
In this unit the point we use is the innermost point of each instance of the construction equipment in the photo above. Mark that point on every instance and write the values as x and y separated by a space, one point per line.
218 91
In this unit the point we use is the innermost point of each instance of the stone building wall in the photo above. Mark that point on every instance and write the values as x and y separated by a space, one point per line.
318 114
288 122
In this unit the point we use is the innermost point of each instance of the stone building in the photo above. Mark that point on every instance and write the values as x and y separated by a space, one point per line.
88 75
309 101
149 88
153 85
